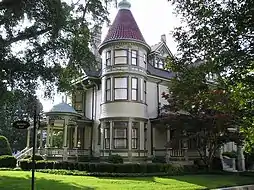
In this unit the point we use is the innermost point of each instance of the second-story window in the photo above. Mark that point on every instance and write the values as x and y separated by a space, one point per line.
134 88
121 88
108 89
134 57
78 101
121 56
108 58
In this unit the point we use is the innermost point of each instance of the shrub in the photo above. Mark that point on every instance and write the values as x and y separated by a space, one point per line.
232 154
115 159
8 161
5 148
36 157
159 159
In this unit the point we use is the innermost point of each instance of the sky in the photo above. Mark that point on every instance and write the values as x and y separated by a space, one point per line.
154 17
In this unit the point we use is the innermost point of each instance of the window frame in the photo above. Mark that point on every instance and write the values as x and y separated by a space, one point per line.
107 137
134 89
75 102
108 59
134 58
145 91
125 88
126 56
118 127
108 89
135 139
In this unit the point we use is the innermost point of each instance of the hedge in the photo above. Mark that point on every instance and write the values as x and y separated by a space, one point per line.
8 161
110 168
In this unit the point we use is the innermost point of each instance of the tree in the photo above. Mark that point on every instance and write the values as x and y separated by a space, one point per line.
18 106
46 41
201 111
5 148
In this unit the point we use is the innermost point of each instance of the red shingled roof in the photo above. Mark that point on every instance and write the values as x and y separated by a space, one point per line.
124 27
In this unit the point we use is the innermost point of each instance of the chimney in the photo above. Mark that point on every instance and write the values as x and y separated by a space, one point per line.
163 38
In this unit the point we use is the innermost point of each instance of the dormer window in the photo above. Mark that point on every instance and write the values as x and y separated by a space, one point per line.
161 64
134 55
121 56
108 58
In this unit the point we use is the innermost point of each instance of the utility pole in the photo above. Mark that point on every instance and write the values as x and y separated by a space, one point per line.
34 139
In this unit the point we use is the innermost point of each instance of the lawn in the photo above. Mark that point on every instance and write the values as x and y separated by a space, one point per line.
19 180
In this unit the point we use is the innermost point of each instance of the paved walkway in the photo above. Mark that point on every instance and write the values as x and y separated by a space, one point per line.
246 187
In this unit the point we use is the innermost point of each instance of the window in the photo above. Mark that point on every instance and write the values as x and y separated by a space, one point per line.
145 137
120 135
108 58
145 59
145 95
161 64
108 89
134 135
107 135
134 55
134 88
78 101
121 57
120 88
99 134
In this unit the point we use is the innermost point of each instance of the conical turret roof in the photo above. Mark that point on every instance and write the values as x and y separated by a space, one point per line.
124 26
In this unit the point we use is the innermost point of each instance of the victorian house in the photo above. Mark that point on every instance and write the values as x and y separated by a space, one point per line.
114 107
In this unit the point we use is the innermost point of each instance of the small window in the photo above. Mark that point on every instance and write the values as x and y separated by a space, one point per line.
145 91
134 135
121 88
121 57
78 101
134 55
134 88
108 58
107 135
108 89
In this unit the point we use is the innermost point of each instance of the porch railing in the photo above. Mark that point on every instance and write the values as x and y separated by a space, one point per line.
60 152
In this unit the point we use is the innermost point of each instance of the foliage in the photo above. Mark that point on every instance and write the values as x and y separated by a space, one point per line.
158 159
36 157
5 148
7 161
219 36
232 154
58 139
115 159
17 106
47 41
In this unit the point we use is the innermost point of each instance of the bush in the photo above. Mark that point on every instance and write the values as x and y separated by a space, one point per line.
232 154
36 157
159 159
41 164
8 161
115 159
5 148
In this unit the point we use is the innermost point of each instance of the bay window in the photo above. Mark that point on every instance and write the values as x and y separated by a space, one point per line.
134 88
120 135
108 58
121 56
134 135
108 89
107 135
121 88
134 57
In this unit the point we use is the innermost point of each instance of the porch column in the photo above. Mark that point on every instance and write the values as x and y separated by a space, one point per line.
154 140
142 136
168 149
241 159
36 139
75 136
129 139
111 135
28 138
51 135
47 139
102 137
41 138
168 133
185 146
65 131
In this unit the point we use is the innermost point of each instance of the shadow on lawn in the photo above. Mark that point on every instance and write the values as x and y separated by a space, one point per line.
206 181
18 183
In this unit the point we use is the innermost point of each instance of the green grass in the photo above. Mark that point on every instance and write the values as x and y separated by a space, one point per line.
20 180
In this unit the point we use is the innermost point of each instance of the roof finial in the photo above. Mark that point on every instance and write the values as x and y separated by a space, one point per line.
124 4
